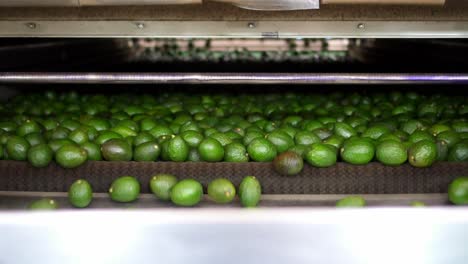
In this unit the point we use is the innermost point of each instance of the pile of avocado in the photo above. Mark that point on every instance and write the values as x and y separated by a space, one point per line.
166 187
189 192
169 50
356 128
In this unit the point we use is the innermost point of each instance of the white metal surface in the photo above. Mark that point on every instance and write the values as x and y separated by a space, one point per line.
60 3
248 4
39 3
384 2
274 5
236 29
136 2
436 235
235 78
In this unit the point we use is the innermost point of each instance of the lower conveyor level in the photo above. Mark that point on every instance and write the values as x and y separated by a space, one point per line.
20 200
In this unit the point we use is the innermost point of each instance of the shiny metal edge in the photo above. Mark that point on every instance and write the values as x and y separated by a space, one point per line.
273 197
42 3
395 215
274 5
235 29
234 78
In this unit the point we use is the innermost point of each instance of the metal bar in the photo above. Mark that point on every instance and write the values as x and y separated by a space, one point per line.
235 78
261 5
274 5
384 2
42 3
60 3
235 29
136 2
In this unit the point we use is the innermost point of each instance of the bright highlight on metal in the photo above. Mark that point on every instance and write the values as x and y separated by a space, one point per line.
235 78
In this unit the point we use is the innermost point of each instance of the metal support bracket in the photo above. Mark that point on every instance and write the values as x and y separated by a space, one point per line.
236 29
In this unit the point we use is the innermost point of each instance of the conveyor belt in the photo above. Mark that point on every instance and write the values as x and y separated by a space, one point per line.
342 178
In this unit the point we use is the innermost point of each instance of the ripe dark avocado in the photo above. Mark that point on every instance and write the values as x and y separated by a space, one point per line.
117 150
148 151
288 163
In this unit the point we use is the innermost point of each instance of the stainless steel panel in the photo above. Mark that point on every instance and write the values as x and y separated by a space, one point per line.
235 78
35 3
436 235
274 5
136 2
39 3
248 4
236 29
384 2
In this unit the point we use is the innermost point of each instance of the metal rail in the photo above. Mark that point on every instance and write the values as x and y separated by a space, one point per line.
235 78
20 200
234 29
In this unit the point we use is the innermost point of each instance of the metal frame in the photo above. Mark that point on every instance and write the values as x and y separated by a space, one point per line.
236 29
235 78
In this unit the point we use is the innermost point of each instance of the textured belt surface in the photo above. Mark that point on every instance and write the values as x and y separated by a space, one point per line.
343 178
